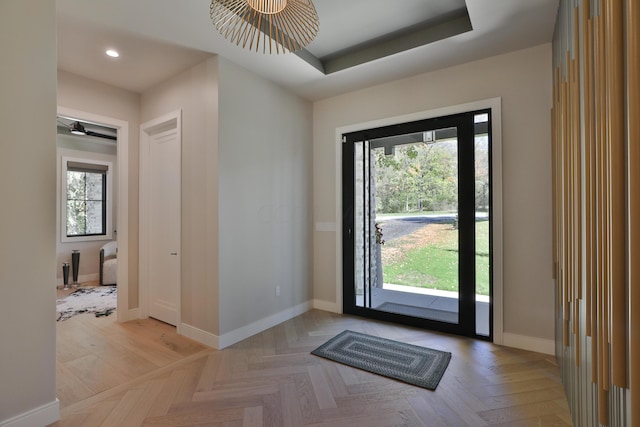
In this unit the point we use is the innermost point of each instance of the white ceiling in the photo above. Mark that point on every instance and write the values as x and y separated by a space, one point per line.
158 39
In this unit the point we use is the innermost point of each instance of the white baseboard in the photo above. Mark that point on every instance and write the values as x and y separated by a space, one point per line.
133 314
203 337
251 329
523 342
41 416
230 338
128 315
81 279
326 306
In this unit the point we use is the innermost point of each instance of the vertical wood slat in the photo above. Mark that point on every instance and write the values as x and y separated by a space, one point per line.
554 223
602 354
555 126
570 184
606 203
560 192
566 140
556 182
597 267
606 212
587 56
633 128
571 206
598 190
577 139
605 206
566 269
591 283
615 109
569 175
577 187
557 188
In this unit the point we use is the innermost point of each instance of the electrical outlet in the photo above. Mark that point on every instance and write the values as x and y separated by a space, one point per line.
277 291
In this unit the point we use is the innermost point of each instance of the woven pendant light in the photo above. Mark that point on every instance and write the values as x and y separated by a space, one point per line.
290 25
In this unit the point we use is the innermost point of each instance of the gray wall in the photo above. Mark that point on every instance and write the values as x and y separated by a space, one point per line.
246 195
195 93
265 198
27 217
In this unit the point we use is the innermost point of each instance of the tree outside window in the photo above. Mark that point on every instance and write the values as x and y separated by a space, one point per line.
86 199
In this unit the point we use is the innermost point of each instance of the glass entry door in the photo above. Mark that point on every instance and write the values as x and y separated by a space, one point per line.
416 223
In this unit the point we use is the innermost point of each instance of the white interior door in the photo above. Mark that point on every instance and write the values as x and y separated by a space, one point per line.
164 181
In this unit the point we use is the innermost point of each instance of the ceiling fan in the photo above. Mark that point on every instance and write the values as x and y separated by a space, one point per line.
76 127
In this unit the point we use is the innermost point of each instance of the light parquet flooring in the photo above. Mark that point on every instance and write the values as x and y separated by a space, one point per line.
144 374
97 354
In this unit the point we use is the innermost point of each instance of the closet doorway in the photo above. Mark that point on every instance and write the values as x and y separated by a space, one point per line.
160 218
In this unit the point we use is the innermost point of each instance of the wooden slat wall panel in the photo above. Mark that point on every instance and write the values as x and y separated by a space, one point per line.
596 150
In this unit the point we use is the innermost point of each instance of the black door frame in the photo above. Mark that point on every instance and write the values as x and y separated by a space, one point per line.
466 130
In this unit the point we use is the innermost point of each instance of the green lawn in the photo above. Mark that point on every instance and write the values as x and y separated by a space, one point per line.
435 265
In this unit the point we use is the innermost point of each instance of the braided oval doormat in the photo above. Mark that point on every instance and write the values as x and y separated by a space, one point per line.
409 363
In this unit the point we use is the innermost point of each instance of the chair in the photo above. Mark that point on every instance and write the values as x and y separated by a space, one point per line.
109 263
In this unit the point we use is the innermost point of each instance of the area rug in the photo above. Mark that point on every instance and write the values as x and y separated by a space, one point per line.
100 300
409 363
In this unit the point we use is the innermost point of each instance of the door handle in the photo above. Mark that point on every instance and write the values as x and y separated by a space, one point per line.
174 253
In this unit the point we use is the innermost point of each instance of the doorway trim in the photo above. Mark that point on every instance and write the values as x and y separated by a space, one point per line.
494 104
172 120
122 212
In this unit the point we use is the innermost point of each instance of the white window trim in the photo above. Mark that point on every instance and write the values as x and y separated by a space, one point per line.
63 201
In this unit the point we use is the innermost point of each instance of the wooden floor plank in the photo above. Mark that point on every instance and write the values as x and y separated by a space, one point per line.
527 411
125 409
167 395
98 413
291 415
321 387
252 417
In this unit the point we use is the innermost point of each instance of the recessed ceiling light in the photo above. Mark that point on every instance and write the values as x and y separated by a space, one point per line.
112 53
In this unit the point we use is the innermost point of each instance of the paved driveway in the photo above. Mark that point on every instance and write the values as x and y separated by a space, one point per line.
394 227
